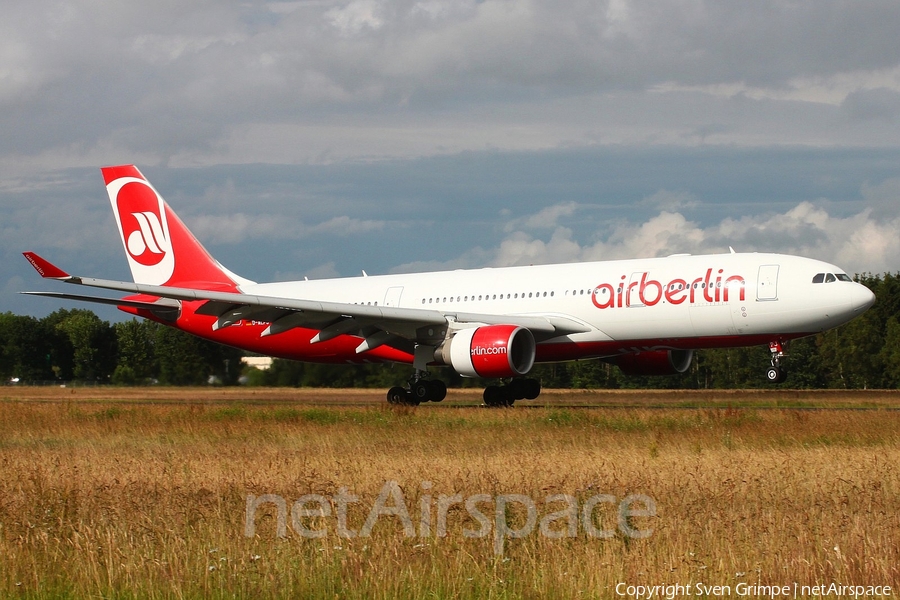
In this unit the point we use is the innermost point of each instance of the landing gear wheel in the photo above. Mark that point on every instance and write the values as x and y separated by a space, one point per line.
523 388
397 395
516 388
532 389
776 375
438 390
492 395
421 390
496 395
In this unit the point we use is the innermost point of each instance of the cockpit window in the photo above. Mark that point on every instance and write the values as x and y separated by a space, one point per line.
830 277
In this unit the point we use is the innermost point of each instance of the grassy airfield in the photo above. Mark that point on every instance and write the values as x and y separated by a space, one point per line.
125 493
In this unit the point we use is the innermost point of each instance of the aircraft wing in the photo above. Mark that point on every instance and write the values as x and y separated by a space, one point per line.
377 325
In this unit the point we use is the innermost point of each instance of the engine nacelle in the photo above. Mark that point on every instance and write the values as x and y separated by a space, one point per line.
655 362
489 351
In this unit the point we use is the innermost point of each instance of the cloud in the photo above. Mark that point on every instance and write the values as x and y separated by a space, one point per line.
235 228
210 82
476 209
547 218
240 227
671 201
883 198
352 18
880 104
858 243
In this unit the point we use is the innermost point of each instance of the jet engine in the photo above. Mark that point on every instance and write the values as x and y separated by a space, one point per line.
655 362
489 351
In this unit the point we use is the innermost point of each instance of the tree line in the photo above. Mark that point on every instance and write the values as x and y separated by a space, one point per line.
69 345
77 345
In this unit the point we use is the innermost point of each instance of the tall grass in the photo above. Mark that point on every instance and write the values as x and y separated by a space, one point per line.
121 500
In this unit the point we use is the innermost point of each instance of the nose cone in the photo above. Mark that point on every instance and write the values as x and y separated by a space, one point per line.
861 298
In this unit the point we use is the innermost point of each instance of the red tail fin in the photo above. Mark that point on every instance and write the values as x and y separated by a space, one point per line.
160 248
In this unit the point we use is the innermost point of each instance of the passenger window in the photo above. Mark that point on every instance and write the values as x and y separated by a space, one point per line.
829 278
819 278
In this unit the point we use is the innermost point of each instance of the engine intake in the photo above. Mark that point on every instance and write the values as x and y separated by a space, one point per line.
489 351
655 362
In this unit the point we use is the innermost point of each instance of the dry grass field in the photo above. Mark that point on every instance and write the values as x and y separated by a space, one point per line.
145 493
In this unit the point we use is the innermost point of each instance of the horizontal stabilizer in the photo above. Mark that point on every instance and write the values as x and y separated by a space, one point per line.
163 304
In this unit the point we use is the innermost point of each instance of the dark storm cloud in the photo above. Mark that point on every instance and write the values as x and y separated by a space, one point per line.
184 80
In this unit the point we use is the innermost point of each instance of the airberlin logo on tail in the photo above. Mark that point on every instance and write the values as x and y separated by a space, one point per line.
643 290
146 243
141 216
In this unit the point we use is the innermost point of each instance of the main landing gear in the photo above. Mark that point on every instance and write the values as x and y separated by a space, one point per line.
419 390
776 374
434 390
517 389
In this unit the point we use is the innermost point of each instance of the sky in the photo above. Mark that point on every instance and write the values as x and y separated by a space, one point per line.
322 138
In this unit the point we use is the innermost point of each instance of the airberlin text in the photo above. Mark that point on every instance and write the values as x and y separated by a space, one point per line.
643 290
482 350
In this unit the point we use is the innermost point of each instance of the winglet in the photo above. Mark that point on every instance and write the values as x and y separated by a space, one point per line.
45 268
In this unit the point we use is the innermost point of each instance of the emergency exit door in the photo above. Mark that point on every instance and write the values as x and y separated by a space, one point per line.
767 283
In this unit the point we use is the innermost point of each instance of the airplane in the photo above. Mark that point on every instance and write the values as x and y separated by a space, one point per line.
647 316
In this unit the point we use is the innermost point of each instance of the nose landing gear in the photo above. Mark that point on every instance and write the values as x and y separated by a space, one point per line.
775 373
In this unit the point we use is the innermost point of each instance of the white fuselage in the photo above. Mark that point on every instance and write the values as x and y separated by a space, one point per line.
643 301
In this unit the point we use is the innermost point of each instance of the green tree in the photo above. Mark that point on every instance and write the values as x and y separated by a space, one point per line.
26 348
890 353
93 345
179 358
137 361
850 355
185 359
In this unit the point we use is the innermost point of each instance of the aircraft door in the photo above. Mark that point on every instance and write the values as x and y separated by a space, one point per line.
392 296
767 283
632 292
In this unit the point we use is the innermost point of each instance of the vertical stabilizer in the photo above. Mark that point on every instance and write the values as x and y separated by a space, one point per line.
159 247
